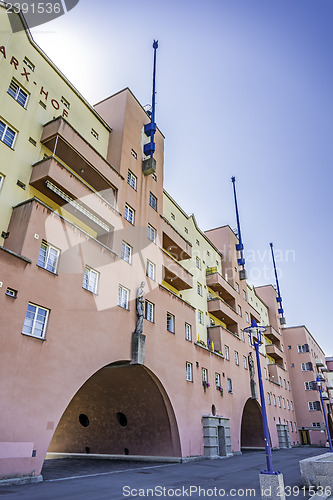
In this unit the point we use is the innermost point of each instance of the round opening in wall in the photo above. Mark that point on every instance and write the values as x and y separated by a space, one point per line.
122 419
213 410
126 451
84 420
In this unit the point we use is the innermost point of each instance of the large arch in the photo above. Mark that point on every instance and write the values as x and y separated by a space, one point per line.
252 433
121 409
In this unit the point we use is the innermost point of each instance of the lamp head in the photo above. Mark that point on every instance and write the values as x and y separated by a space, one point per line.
255 332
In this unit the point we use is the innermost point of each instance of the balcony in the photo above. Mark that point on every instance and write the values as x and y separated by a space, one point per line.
68 145
56 181
319 362
216 282
275 371
175 274
174 243
273 335
325 395
224 312
274 352
215 334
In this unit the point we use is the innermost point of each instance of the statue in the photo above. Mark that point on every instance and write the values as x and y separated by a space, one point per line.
251 365
140 307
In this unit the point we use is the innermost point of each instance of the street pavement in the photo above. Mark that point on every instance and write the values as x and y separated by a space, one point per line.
99 479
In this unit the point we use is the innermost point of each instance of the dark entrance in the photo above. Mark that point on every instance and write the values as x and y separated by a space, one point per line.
252 433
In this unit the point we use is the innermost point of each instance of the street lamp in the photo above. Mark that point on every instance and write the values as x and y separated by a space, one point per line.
320 390
255 332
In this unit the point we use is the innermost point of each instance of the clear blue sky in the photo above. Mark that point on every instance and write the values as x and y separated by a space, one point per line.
244 88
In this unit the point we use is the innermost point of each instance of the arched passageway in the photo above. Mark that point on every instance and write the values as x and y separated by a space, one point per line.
121 409
252 433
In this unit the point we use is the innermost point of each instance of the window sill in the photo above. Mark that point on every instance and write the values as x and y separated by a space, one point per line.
50 272
33 336
124 308
86 289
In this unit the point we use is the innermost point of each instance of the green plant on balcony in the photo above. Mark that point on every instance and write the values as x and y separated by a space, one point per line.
219 388
201 342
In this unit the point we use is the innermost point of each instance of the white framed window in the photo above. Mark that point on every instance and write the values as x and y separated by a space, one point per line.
307 367
151 233
280 381
291 405
154 176
199 288
237 287
28 63
188 331
149 311
285 383
291 426
198 262
7 135
186 230
314 405
129 214
239 310
65 102
310 386
242 335
229 385
94 133
236 358
244 295
170 323
17 93
189 371
2 178
283 403
295 427
279 401
48 257
226 352
123 297
134 154
35 321
200 317
288 405
245 362
153 201
303 348
131 179
151 270
274 399
265 372
268 398
317 425
126 252
173 217
247 319
288 385
90 279
217 380
204 374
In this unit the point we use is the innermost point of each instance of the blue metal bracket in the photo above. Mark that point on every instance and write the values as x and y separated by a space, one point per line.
239 246
278 298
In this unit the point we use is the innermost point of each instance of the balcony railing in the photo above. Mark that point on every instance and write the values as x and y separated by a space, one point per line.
175 274
174 243
221 310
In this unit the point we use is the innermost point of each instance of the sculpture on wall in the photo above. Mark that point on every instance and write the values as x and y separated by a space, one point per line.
140 307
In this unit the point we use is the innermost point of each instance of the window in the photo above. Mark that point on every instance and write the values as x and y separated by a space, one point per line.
310 386
2 178
186 230
154 176
289 347
18 93
151 233
291 405
200 317
244 295
149 311
94 133
307 367
204 375
126 252
280 381
316 425
236 358
35 321
237 287
274 399
65 102
188 332
291 426
199 289
173 217
229 385
11 292
314 405
242 335
288 405
226 352
198 262
285 383
283 403
7 135
279 401
189 371
129 214
265 372
151 268
123 297
28 63
48 257
134 154
131 179
217 380
303 348
245 362
170 323
239 310
197 242
268 398
288 385
247 317
90 279
152 201
295 428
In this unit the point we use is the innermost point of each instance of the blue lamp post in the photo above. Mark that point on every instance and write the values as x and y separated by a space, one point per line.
320 390
255 332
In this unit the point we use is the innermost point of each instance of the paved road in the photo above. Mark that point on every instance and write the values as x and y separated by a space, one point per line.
95 479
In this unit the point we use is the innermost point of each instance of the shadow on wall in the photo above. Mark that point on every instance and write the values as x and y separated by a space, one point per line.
121 409
252 433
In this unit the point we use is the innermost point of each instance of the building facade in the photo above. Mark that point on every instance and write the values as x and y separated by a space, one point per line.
88 235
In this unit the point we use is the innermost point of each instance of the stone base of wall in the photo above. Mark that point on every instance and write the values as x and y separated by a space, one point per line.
217 438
